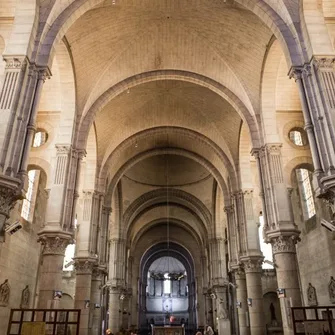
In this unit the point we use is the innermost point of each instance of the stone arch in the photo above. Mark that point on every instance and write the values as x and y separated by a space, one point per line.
262 10
37 163
159 221
175 196
158 211
246 115
115 178
295 163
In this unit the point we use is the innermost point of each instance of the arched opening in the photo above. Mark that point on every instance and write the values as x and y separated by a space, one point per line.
167 293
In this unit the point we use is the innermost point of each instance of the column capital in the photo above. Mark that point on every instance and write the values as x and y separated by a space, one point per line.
228 209
284 243
296 72
106 209
99 272
63 149
15 62
54 242
324 63
273 148
79 153
84 265
252 263
239 272
10 192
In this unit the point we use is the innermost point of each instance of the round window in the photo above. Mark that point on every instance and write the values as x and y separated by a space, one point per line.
40 138
298 136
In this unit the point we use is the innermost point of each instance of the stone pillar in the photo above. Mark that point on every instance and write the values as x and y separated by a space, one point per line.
253 272
218 261
209 308
284 252
241 297
223 322
84 268
96 297
114 309
279 226
51 270
117 262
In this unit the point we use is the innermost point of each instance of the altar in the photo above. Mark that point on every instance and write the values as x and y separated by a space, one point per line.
168 330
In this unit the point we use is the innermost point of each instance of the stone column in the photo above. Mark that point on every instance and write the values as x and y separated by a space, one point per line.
84 268
284 252
114 309
209 308
51 270
96 303
253 272
223 321
279 226
241 297
218 261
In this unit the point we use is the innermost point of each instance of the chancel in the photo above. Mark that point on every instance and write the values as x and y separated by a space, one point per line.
167 167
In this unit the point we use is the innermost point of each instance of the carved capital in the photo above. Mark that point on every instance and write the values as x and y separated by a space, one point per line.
239 273
106 210
63 149
284 244
43 73
54 243
84 266
296 72
273 148
324 63
98 273
229 209
252 264
8 198
15 63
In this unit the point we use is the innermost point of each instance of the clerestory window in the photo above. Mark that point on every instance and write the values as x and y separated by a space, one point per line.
306 193
27 206
167 284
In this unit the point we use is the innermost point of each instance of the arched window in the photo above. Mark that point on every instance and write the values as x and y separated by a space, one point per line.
28 202
40 138
306 194
167 284
298 136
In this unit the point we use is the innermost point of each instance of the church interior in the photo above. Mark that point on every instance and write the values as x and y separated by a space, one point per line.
167 165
